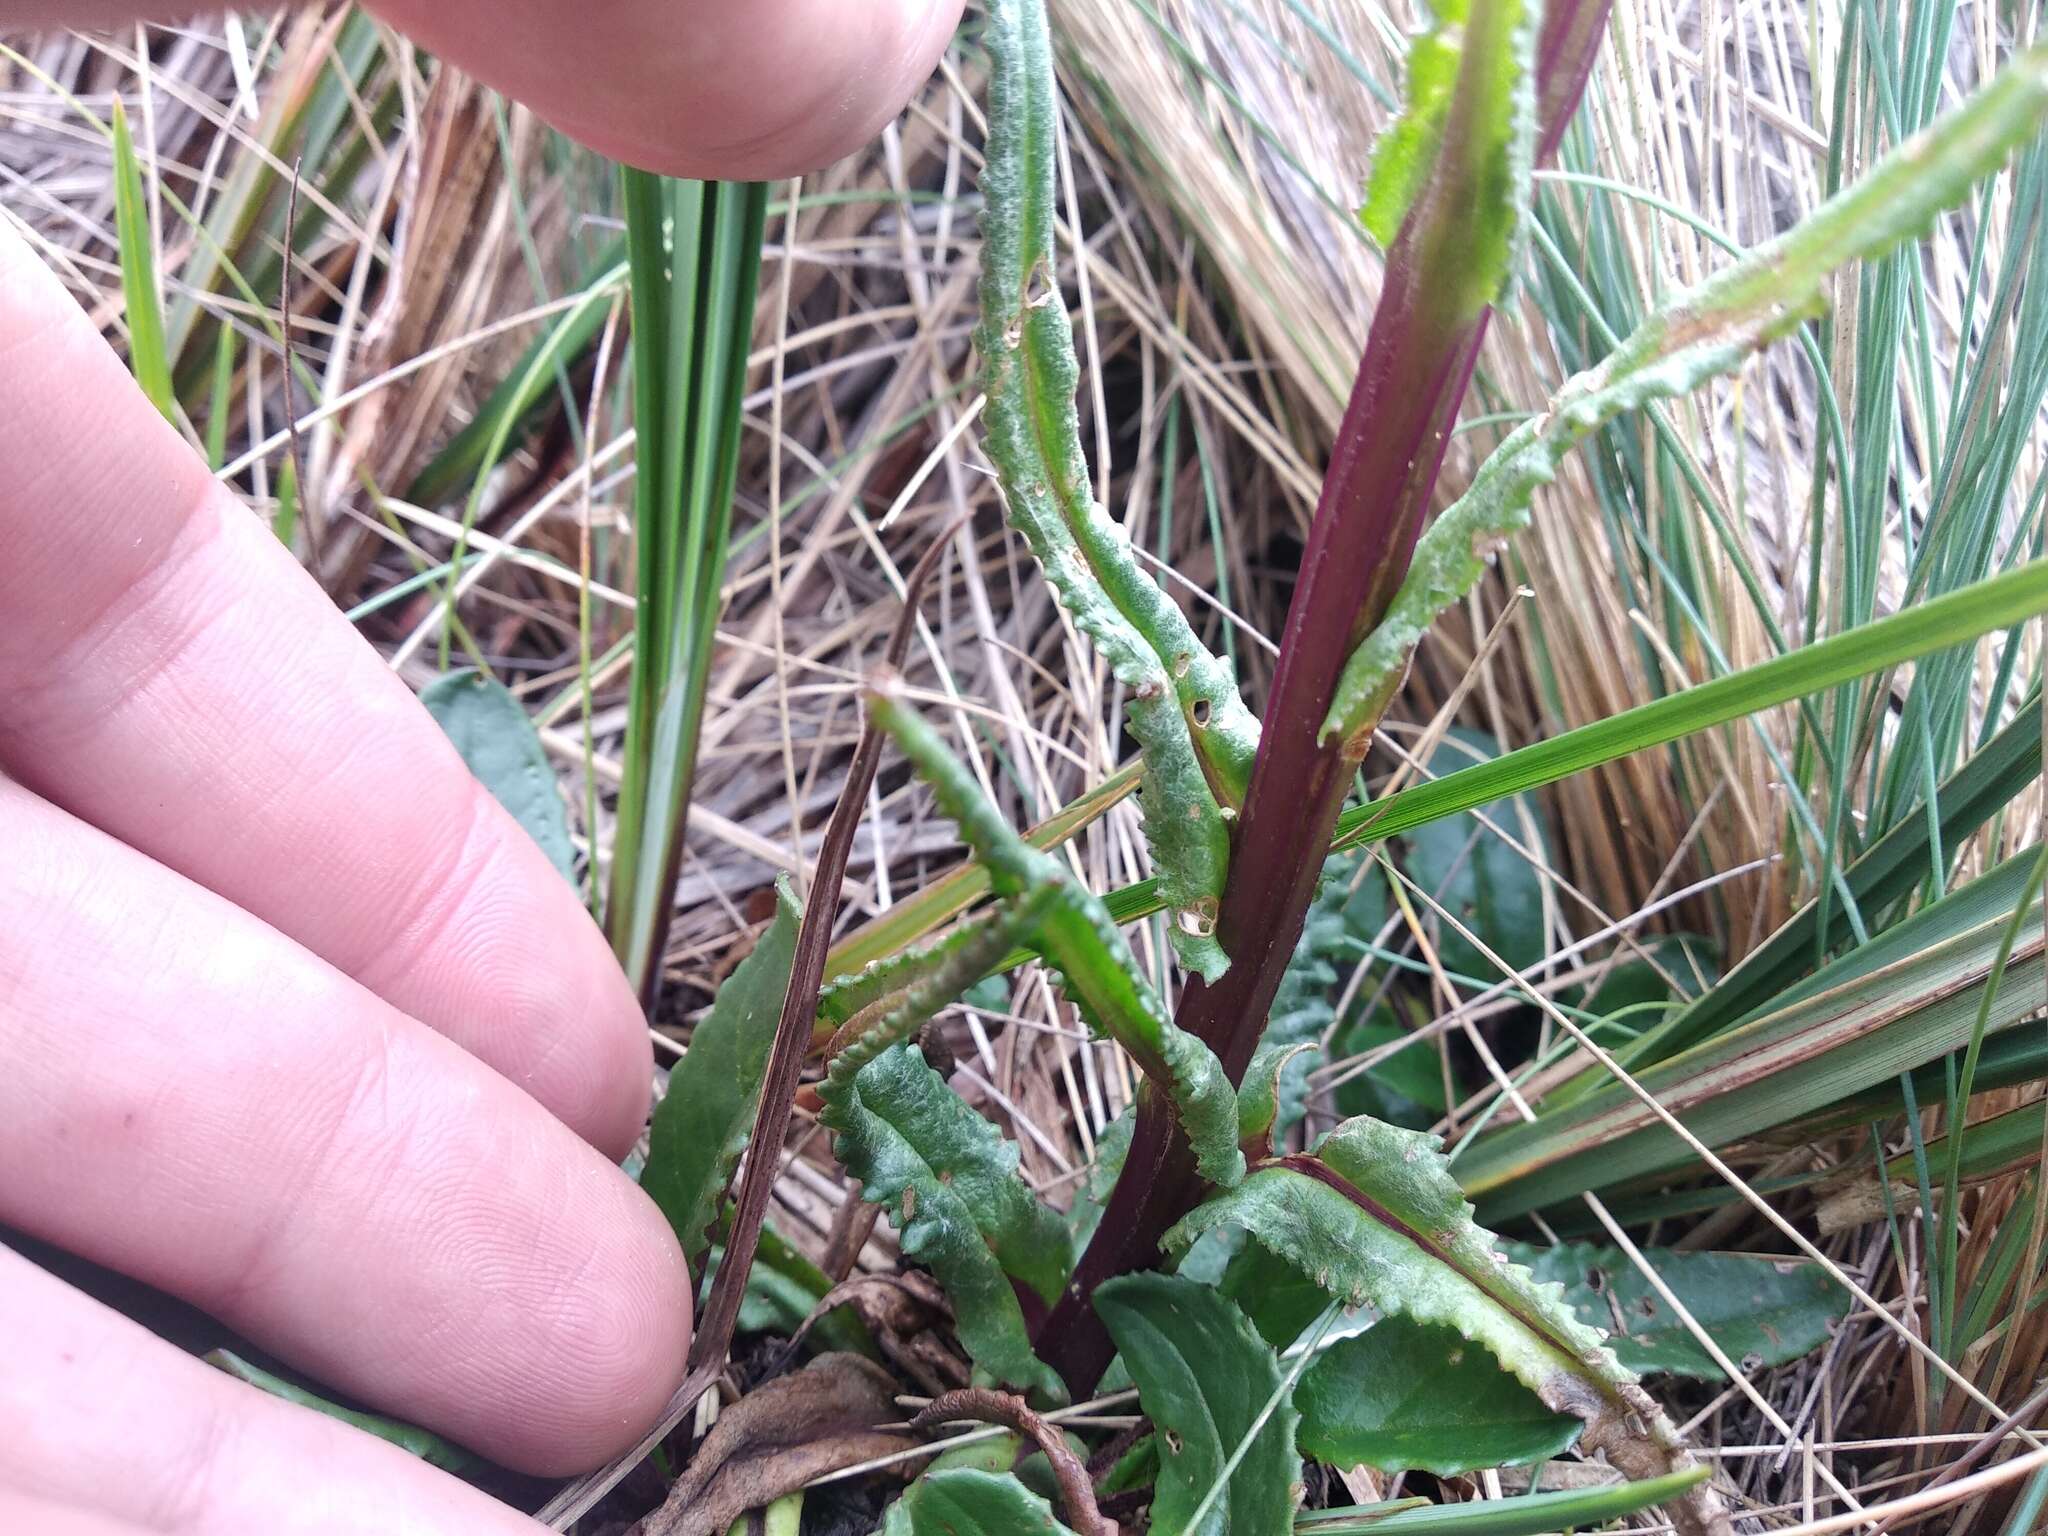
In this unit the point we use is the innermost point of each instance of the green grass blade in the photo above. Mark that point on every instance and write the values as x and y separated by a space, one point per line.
516 400
1886 873
1535 1514
146 353
1954 619
693 252
1912 994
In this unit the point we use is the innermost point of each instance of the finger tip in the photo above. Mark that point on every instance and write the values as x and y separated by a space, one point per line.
610 1088
826 92
613 1352
871 87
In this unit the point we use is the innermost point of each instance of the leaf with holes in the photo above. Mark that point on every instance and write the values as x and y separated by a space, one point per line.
1409 1396
1204 1377
1706 332
1761 1311
1183 707
702 1124
497 739
949 1180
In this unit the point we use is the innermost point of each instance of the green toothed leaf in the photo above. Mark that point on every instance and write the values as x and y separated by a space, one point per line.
1376 1219
1204 1376
967 1154
1487 46
1183 705
949 1181
1260 1097
702 1124
845 996
1410 1396
1072 930
1706 332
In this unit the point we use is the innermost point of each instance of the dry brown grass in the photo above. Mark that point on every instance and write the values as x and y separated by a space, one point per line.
1223 294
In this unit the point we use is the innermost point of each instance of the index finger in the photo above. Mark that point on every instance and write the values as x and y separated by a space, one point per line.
170 674
705 88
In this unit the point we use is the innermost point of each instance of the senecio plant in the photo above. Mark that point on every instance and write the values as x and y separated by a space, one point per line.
1241 815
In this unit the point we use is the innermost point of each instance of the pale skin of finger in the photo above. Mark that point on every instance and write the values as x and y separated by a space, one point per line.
749 91
193 1100
169 673
101 1420
46 1517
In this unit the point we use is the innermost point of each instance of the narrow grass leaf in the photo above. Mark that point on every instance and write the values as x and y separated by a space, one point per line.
519 396
147 355
1886 872
1533 1514
694 256
1954 618
423 1443
1910 996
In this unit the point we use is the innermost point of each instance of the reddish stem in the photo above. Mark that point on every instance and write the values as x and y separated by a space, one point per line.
1382 475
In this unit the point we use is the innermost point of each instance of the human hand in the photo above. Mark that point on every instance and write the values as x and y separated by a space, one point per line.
299 1025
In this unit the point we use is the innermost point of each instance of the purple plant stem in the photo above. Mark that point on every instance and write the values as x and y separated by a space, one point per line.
1419 357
